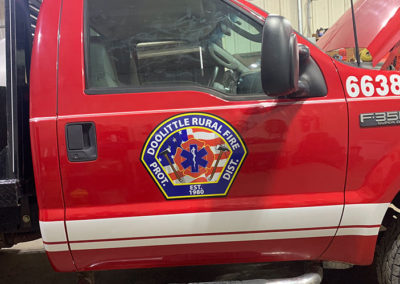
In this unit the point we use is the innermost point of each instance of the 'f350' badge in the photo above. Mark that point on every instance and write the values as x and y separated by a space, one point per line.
194 155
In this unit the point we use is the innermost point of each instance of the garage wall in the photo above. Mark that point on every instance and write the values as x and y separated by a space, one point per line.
324 13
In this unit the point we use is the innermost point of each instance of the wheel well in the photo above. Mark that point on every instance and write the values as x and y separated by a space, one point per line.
391 215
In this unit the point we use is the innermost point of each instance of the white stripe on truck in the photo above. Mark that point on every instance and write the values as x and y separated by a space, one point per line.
211 227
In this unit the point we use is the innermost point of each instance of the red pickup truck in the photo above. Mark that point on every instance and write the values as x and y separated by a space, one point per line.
192 132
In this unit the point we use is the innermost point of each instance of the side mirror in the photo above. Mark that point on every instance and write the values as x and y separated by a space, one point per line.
280 57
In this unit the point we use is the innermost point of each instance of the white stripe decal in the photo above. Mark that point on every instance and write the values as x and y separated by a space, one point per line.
213 239
358 231
364 214
211 227
205 223
56 247
204 239
53 231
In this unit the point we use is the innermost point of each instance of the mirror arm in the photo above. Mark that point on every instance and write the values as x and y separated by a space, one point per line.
303 91
304 53
304 87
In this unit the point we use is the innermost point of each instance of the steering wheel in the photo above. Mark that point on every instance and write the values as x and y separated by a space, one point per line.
253 37
226 59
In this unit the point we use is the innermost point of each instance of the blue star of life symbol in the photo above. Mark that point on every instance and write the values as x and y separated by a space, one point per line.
194 158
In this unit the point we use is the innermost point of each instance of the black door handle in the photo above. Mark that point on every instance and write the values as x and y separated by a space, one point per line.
81 141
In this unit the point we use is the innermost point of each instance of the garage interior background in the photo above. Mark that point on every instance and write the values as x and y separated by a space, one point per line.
316 13
2 17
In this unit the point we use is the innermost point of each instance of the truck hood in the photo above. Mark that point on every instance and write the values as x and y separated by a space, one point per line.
378 29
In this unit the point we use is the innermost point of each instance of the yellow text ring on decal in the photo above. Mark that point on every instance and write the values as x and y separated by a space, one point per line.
194 155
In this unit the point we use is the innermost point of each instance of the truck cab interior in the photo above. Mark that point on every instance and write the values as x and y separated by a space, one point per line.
202 43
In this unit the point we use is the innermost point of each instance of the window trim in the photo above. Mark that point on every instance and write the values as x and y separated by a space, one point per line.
133 90
167 89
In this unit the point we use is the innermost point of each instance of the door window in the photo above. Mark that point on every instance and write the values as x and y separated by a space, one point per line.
172 43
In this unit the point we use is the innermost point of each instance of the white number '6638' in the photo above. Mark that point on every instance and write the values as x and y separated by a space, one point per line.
368 86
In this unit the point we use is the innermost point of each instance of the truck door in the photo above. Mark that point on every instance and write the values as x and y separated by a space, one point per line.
171 154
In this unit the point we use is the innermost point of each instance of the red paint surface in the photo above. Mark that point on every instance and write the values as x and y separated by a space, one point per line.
199 254
352 249
298 152
374 153
43 104
61 261
284 141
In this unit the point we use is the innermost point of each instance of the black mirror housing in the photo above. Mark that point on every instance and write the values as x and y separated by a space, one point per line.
280 57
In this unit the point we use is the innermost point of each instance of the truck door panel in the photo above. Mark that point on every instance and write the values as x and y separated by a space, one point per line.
284 194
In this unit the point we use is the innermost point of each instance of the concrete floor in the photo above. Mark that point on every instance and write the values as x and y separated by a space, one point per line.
27 263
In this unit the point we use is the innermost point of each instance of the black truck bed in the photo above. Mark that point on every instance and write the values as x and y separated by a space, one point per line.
18 208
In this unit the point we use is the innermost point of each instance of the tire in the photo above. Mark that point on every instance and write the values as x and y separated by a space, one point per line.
387 258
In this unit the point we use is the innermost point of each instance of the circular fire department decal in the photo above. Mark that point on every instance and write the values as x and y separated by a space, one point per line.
194 155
